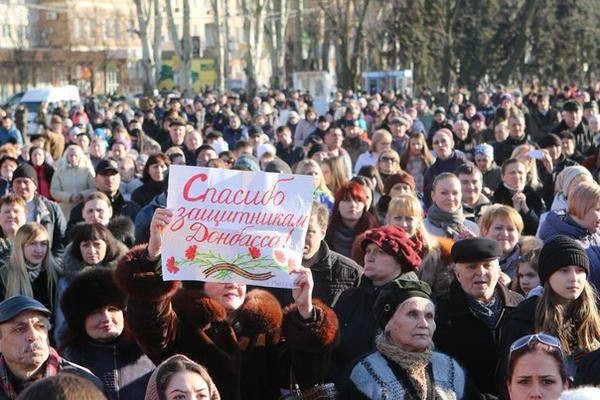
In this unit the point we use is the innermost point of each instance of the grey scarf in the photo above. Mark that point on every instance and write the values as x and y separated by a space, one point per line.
33 271
451 223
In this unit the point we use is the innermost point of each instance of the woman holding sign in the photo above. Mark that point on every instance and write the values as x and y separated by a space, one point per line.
236 335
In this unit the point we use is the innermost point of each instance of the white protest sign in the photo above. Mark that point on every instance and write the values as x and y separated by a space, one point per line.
235 226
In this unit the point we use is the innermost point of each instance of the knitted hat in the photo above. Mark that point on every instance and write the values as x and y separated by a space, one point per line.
400 177
248 162
278 166
395 293
396 242
90 291
445 131
25 171
567 175
561 251
484 149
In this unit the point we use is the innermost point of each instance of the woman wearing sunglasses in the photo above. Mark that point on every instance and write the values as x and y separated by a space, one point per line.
566 309
536 368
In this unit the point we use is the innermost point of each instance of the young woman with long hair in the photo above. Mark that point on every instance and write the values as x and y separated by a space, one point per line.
566 309
31 270
335 173
321 192
417 158
349 219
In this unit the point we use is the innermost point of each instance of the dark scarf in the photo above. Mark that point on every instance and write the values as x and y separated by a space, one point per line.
51 369
490 312
343 239
450 223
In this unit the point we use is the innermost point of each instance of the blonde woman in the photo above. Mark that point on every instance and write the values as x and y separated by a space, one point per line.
30 270
321 193
381 141
406 212
73 179
566 309
525 154
581 222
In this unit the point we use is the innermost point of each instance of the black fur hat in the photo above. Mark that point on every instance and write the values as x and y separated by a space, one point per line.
90 291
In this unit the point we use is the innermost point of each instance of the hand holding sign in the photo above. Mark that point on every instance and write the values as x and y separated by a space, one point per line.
302 292
161 218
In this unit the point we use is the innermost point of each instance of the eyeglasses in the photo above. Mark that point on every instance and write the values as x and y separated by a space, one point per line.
388 159
538 337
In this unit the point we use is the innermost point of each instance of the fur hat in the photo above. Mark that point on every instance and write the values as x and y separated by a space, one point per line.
90 291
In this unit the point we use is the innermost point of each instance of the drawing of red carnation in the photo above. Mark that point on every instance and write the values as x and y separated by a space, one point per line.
291 263
254 251
190 252
279 255
171 267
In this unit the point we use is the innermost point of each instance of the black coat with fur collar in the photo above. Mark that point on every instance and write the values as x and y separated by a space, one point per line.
246 355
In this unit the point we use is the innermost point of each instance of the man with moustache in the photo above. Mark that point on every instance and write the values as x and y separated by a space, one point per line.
26 353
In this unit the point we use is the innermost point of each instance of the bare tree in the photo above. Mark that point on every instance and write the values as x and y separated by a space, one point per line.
144 11
347 19
254 21
276 26
220 48
183 46
157 45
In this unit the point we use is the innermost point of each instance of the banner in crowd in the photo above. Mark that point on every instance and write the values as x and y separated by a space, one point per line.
235 226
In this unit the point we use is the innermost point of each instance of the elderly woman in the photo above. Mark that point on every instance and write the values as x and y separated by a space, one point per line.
404 366
445 217
581 222
388 253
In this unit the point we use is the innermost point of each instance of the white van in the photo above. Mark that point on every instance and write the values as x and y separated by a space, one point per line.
33 98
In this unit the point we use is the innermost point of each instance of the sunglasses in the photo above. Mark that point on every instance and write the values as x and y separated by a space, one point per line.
538 337
388 159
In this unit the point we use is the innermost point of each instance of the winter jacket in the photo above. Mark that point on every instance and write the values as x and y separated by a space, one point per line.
355 147
66 366
244 353
436 267
534 202
556 224
39 285
332 274
291 154
69 181
462 335
11 133
127 188
358 327
143 218
121 366
303 131
503 150
148 191
439 166
44 173
376 377
583 138
233 135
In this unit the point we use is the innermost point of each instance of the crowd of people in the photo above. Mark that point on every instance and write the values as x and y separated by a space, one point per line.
452 251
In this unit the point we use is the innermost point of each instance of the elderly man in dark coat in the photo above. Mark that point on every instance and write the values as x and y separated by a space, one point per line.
470 316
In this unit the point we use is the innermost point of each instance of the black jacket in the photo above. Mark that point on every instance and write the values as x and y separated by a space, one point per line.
121 366
583 138
144 194
332 274
291 154
120 206
535 203
461 334
358 327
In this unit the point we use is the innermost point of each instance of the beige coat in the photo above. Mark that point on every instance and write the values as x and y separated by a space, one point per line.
68 181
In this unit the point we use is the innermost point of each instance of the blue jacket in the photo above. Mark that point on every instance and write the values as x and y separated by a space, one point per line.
556 224
11 133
